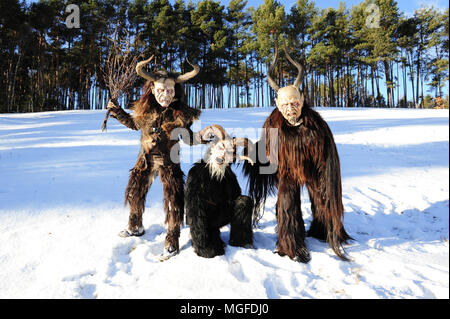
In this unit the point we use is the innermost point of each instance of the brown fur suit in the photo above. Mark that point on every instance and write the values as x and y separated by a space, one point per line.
156 124
301 152
307 155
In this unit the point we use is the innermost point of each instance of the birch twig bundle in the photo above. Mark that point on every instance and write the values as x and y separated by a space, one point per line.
119 72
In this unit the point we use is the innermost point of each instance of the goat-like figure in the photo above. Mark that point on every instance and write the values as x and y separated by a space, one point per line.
213 197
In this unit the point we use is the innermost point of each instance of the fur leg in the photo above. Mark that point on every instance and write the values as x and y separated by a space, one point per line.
327 226
212 246
205 235
199 234
141 178
241 231
173 186
317 229
291 228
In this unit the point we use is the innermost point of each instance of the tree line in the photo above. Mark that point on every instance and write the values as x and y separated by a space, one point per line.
367 55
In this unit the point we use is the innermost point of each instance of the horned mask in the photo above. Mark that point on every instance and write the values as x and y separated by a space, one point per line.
289 100
222 151
163 83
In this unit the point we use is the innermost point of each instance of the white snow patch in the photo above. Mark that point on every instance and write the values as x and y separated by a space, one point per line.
61 207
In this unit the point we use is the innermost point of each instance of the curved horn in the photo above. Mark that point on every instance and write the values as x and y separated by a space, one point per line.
248 148
219 131
184 77
246 158
272 83
241 141
205 134
299 79
141 72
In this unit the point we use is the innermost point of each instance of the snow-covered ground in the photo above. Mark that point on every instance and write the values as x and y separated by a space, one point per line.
62 185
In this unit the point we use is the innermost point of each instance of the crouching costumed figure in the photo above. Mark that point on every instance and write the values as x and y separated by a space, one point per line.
158 112
213 197
300 147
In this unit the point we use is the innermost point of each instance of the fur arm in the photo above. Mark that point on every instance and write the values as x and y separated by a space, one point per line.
263 174
123 117
327 162
184 117
192 115
191 138
196 205
262 181
332 180
233 187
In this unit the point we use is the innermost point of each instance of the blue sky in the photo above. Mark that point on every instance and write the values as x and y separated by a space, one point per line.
406 6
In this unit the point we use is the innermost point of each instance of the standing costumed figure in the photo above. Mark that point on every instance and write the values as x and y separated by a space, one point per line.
304 152
156 114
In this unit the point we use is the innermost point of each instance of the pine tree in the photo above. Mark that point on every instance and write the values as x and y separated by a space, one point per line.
299 38
208 28
268 24
48 66
437 67
238 20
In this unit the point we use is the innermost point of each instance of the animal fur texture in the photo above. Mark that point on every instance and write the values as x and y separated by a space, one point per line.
213 199
307 156
210 204
156 124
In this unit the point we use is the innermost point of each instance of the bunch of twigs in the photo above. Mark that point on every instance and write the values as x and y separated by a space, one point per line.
119 71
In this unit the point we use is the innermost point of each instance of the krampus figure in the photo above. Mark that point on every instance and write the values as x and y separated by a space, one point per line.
300 144
213 198
157 113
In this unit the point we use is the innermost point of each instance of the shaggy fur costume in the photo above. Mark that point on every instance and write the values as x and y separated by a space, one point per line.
307 155
212 200
156 124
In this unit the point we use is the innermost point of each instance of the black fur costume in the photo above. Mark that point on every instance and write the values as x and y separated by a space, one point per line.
212 202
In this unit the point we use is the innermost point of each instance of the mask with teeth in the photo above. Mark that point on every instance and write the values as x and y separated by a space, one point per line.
289 100
222 151
221 155
163 83
164 91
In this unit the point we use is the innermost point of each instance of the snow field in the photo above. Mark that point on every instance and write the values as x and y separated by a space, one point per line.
61 207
